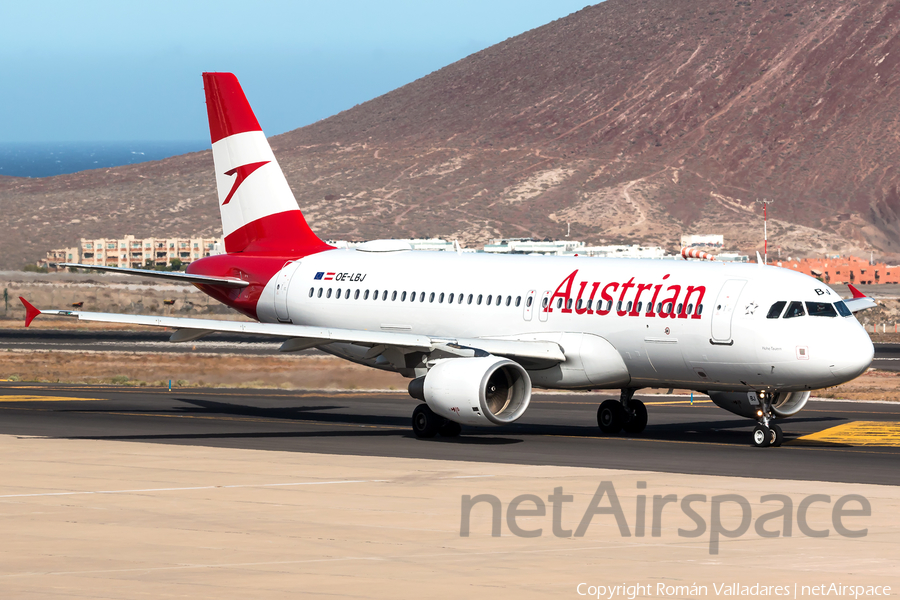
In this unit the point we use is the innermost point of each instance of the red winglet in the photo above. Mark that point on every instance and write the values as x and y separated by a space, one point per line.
30 311
856 293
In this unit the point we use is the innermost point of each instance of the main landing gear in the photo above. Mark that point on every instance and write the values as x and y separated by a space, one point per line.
767 432
622 414
427 424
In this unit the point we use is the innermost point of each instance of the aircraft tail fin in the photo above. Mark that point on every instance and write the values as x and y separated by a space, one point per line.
258 209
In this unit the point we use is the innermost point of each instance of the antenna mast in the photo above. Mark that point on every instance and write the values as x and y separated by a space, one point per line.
765 204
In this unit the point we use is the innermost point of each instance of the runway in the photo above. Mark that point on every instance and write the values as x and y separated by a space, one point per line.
829 441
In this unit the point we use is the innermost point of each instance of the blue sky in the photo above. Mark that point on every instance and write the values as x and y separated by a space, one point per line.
122 71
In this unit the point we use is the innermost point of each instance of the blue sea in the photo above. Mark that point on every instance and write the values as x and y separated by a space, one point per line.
47 159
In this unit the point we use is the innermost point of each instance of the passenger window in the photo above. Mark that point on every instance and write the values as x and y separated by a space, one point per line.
470 299
311 292
450 299
820 309
403 297
347 294
544 303
776 309
375 295
384 295
508 300
319 295
490 297
460 300
366 295
479 299
559 303
519 301
499 300
328 293
393 296
619 305
528 302
569 304
628 306
441 298
842 308
337 294
700 310
794 310
431 297
356 295
680 306
690 309
421 296
578 304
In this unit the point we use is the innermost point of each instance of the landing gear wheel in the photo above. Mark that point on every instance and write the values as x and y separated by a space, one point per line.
777 435
425 423
450 429
762 436
609 416
637 420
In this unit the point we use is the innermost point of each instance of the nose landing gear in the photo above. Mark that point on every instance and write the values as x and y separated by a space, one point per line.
767 432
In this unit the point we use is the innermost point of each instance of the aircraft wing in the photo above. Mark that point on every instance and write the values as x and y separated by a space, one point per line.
859 301
180 276
303 336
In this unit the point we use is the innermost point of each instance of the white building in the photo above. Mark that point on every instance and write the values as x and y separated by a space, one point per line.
530 246
430 244
633 251
690 241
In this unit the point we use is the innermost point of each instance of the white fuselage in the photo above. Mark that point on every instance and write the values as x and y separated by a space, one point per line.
707 328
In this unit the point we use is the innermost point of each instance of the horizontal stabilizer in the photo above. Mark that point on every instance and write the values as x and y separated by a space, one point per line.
230 282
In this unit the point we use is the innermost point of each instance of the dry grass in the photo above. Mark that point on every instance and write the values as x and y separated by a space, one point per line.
208 370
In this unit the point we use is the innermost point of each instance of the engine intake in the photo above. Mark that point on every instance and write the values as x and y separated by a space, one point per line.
484 390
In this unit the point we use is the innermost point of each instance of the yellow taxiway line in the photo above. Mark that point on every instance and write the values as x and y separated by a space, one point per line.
857 433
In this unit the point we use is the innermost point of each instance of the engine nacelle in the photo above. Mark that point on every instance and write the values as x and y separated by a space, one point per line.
746 404
486 390
787 404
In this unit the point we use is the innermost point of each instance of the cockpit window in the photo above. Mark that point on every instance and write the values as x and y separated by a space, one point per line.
820 309
794 310
842 308
776 309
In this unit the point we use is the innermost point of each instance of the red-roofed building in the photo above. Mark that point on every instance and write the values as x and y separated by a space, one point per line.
844 270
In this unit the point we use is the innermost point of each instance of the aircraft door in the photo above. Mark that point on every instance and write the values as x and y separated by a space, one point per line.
723 311
529 305
544 308
282 283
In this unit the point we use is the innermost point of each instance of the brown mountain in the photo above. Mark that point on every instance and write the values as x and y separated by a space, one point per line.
634 120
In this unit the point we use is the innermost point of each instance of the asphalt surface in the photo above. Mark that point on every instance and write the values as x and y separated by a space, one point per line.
558 429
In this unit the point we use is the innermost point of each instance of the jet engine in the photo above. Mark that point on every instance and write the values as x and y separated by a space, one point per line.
486 390
746 404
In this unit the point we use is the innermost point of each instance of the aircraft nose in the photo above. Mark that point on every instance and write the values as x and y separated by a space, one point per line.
852 355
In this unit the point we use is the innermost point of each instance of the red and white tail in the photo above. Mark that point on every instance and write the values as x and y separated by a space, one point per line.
259 212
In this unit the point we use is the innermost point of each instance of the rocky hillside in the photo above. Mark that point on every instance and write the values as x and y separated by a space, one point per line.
633 120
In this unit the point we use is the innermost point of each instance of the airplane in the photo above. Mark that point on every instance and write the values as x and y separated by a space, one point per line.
476 332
